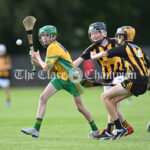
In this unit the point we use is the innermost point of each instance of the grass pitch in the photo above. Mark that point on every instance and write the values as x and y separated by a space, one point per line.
64 128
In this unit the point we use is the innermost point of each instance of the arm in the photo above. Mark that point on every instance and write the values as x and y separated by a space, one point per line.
116 51
40 61
99 55
78 61
149 72
147 59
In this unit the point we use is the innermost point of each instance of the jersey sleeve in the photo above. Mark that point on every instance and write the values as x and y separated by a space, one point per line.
51 56
147 59
86 54
117 51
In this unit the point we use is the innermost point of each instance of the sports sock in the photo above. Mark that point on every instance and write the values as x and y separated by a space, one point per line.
125 124
118 124
38 124
93 125
8 100
110 128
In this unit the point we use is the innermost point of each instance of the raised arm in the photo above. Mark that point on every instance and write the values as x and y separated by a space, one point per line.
40 61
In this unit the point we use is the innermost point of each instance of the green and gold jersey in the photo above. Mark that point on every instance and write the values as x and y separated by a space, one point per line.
4 61
58 56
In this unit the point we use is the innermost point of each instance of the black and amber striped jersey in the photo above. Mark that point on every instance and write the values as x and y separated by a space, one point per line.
134 56
147 59
4 61
109 65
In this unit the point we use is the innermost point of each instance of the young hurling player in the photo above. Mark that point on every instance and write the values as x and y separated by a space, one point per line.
148 126
59 58
111 66
5 66
136 84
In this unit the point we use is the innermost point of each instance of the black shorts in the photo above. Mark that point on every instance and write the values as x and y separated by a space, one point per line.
136 86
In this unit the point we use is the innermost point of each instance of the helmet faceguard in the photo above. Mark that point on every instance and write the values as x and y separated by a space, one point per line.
127 31
100 27
49 29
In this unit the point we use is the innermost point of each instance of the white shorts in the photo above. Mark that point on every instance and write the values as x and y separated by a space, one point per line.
4 83
116 80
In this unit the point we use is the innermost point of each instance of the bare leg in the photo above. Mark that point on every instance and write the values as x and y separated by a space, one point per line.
109 99
117 99
120 116
82 109
87 115
7 91
47 93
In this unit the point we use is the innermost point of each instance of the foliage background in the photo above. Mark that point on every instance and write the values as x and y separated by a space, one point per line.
72 19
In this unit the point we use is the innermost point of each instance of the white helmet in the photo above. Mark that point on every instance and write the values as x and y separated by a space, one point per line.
2 49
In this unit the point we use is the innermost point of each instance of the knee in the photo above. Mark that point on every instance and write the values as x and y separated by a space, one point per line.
103 97
80 108
43 98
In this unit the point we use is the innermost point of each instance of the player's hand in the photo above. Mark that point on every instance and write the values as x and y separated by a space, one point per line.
34 54
92 55
34 61
149 72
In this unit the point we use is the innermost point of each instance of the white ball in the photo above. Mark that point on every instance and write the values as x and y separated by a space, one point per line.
114 132
19 42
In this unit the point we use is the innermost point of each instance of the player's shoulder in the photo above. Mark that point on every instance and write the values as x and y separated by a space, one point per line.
52 47
132 45
5 56
113 41
56 48
91 46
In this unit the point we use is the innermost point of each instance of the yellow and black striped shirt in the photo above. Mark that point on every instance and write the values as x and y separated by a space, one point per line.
4 61
109 65
134 56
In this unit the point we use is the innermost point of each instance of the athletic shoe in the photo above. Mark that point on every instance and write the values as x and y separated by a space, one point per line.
104 130
93 133
8 104
148 127
130 130
104 136
31 131
120 133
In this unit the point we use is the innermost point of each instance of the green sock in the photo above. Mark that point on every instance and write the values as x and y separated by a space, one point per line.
38 124
93 125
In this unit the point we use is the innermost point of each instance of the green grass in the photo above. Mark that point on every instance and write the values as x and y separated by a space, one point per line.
64 128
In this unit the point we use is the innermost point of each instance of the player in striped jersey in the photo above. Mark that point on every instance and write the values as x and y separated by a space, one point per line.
134 85
59 58
148 62
5 66
111 66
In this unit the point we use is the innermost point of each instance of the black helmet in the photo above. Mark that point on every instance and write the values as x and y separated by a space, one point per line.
97 26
